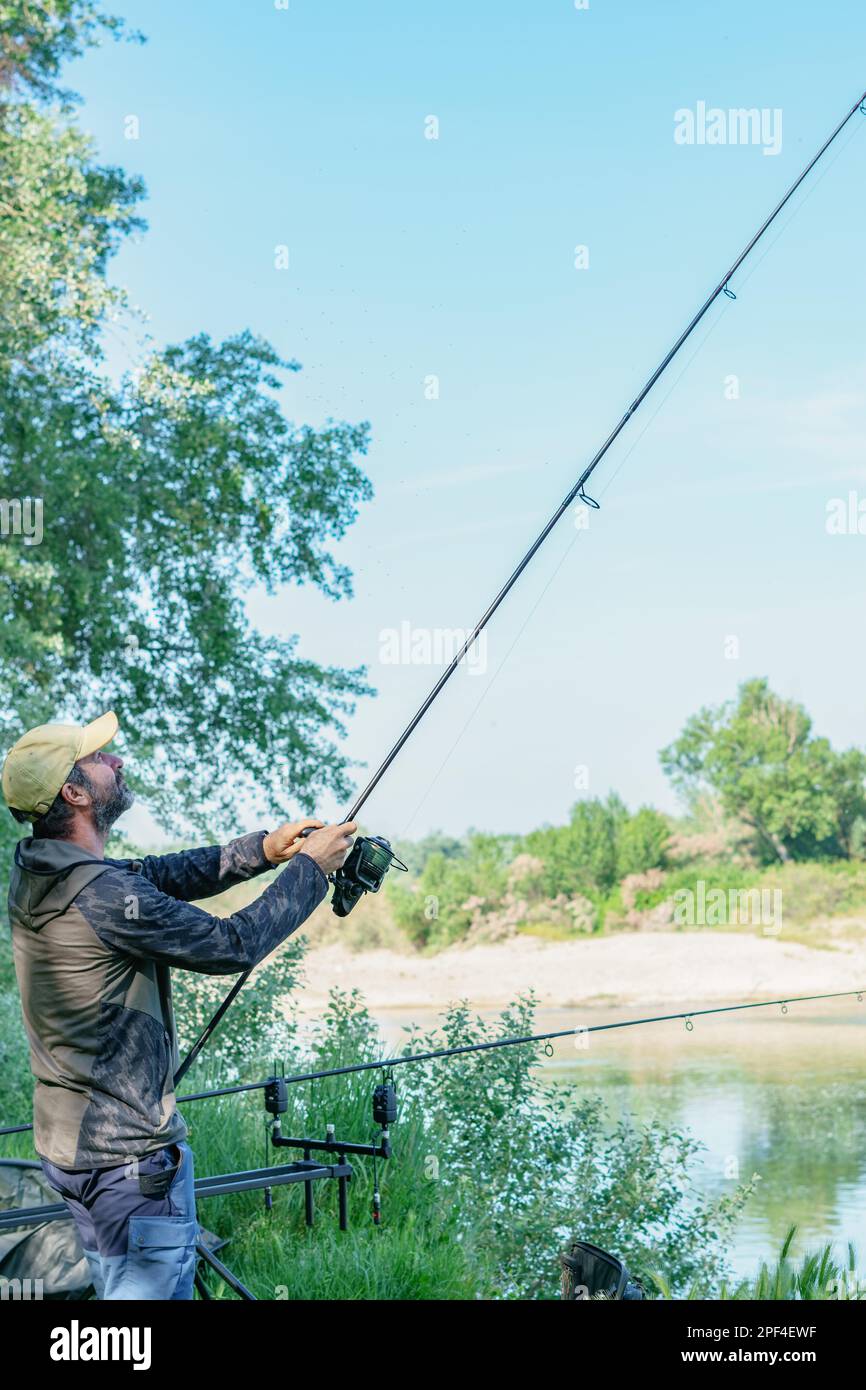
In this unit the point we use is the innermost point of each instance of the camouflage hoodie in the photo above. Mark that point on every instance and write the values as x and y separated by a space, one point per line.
94 940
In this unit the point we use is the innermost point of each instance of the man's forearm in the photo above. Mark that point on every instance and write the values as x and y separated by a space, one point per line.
177 933
200 873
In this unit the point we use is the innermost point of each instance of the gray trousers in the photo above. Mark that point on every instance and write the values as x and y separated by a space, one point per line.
137 1223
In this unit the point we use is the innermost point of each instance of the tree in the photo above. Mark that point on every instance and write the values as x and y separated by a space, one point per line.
440 907
415 853
758 754
642 842
38 36
163 502
164 497
61 214
580 857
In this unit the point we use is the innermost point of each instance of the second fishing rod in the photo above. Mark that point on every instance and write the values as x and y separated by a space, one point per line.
371 857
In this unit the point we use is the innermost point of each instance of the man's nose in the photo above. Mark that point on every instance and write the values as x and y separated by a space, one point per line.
116 763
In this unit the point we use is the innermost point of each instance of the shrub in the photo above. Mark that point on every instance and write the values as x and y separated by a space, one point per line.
493 1171
580 857
642 842
440 907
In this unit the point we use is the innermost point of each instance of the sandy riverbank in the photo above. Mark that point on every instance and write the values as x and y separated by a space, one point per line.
659 967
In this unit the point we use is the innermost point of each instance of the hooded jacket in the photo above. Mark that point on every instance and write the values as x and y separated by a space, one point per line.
93 941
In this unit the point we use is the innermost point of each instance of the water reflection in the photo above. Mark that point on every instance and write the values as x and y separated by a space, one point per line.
784 1097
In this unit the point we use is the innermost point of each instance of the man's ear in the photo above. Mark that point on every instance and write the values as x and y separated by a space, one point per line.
75 795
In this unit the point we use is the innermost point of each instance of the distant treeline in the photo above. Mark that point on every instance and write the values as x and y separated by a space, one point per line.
759 790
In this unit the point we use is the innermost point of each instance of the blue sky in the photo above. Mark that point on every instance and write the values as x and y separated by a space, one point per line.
411 258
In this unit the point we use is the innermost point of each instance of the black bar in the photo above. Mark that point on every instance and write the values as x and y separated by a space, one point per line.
332 1146
308 1192
385 1063
220 1185
278 1176
209 1028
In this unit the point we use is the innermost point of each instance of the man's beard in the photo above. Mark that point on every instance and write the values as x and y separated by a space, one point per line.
106 812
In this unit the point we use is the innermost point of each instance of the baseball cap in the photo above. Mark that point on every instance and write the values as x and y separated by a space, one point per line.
40 762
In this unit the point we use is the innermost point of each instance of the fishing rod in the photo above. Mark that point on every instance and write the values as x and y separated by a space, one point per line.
371 857
308 1171
407 1059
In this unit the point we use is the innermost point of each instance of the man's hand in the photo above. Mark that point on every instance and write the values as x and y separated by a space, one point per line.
284 842
330 846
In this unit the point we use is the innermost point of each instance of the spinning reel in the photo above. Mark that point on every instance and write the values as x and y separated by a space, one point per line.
368 861
370 858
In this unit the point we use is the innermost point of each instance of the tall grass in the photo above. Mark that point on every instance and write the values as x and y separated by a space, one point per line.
493 1171
819 1276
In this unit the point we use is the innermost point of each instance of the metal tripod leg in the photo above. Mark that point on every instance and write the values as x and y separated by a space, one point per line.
217 1265
308 1195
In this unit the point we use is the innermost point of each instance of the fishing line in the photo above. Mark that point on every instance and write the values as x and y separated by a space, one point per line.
579 489
855 130
686 1016
565 556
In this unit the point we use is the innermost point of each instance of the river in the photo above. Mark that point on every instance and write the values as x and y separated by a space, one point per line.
780 1096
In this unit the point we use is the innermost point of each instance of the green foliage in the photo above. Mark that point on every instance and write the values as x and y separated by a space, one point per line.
394 1262
415 853
820 1276
163 502
526 1165
601 844
492 1172
165 496
61 217
642 842
17 1088
255 1023
802 799
582 855
414 1255
38 36
61 214
818 890
582 861
439 909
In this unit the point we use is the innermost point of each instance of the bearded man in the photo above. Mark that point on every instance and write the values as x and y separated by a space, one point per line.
94 940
